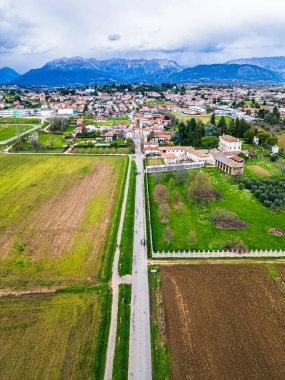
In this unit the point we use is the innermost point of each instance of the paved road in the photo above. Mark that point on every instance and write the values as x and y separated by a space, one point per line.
140 347
116 281
7 141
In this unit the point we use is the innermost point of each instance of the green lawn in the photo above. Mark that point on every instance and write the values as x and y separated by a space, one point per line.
126 247
58 218
121 358
55 336
55 140
185 217
10 130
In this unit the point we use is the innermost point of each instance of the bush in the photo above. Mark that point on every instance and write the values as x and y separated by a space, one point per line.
227 220
235 244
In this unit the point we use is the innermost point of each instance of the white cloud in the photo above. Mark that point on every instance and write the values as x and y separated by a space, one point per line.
192 32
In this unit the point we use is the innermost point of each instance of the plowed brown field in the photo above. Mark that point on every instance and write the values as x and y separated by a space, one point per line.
224 322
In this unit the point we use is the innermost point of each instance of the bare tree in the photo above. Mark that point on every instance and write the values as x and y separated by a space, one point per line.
58 124
168 235
161 194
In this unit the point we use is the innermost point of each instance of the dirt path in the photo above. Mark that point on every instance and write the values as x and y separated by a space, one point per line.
116 281
214 262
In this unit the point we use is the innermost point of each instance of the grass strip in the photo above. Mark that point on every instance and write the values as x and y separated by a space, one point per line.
161 368
126 247
112 242
121 358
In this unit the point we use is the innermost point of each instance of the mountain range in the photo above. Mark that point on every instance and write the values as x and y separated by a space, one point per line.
8 75
77 71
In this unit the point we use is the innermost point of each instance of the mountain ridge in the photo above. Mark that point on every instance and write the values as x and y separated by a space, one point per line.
77 70
8 75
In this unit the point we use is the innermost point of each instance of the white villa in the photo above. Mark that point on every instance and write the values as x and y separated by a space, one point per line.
229 143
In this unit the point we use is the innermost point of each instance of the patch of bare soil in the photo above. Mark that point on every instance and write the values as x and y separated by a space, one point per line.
259 170
276 232
226 220
224 322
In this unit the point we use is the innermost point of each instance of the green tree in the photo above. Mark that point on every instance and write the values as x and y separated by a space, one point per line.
210 142
213 119
222 126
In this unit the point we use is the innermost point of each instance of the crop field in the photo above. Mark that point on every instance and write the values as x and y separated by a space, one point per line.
224 322
54 336
58 218
178 223
9 130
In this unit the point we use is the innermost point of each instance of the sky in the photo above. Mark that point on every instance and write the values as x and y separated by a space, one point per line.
33 32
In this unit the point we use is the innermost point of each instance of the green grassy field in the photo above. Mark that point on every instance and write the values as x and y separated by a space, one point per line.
204 118
186 218
20 120
161 368
10 130
252 166
54 336
58 218
126 247
121 358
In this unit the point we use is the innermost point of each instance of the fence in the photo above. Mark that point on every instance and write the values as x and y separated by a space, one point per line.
174 167
218 254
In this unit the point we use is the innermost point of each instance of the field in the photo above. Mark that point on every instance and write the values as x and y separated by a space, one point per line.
54 336
20 120
259 167
58 218
9 130
224 322
188 227
204 118
259 170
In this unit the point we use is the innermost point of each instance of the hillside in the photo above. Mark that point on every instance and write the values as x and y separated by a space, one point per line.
8 75
225 73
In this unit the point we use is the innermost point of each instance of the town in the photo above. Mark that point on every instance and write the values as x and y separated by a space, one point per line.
130 215
180 127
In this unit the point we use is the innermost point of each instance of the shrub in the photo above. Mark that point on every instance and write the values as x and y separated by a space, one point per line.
227 220
235 244
160 194
192 237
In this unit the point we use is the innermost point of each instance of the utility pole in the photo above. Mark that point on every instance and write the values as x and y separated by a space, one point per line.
16 114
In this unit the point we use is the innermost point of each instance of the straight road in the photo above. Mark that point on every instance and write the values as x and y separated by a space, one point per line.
140 346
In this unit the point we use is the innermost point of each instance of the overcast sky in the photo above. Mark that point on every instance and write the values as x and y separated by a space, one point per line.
190 32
